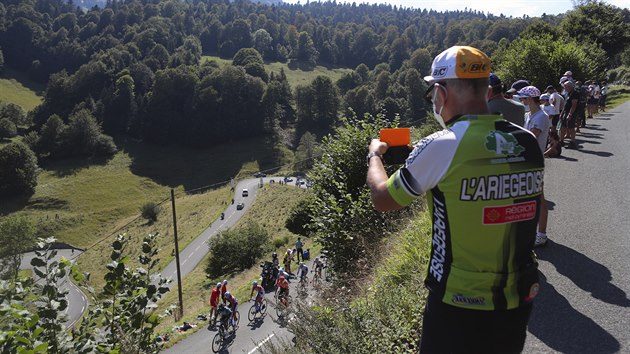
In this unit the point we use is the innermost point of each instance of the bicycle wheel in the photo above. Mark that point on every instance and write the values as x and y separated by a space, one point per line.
217 342
263 307
237 319
281 309
251 314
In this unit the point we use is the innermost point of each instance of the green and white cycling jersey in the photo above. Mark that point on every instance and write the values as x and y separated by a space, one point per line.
483 177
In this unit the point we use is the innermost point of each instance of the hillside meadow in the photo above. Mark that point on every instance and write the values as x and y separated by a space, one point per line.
16 88
295 75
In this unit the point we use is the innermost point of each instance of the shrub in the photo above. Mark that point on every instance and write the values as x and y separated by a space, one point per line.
237 249
150 211
300 217
279 242
18 169
7 128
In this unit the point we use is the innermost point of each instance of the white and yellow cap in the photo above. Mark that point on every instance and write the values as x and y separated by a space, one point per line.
460 62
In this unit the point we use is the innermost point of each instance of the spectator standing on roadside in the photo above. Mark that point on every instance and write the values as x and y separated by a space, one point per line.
602 96
557 103
580 111
298 249
511 110
537 122
224 290
482 274
568 116
288 257
546 106
215 295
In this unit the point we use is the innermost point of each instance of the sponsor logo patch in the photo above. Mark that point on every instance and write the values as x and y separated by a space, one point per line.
495 215
440 72
503 144
461 299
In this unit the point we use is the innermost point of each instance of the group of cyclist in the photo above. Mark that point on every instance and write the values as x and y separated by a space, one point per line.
224 304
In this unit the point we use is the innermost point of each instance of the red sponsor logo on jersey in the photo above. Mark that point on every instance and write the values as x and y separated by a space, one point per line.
509 213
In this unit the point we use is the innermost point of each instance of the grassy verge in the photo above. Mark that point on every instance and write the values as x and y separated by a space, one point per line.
271 209
16 88
617 95
295 76
382 314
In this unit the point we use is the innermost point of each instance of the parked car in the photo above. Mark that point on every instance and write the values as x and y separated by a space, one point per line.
245 192
288 179
240 206
260 174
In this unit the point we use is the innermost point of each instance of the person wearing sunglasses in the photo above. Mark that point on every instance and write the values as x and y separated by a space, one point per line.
482 176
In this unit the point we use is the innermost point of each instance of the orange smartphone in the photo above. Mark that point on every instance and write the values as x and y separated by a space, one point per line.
398 140
396 136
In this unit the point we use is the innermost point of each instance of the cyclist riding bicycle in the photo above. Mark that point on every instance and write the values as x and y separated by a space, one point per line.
224 315
283 287
232 303
224 290
302 271
260 293
319 265
274 259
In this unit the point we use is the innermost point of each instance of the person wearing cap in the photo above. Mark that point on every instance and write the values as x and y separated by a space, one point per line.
483 179
214 302
511 110
537 122
568 116
556 102
546 106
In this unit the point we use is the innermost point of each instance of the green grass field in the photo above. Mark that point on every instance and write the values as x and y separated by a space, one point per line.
295 76
16 88
618 95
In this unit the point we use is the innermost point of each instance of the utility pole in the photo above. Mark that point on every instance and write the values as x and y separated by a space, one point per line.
179 272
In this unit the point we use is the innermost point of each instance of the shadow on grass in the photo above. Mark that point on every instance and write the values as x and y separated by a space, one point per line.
195 168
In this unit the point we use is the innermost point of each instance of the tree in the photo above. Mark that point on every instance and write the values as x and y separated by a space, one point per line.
305 51
263 43
421 61
251 60
541 59
17 236
50 135
345 223
13 112
18 169
600 23
237 249
7 129
306 152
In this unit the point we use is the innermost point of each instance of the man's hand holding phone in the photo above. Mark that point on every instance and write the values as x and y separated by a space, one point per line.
398 143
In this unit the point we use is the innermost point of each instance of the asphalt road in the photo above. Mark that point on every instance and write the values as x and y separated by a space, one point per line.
77 302
584 302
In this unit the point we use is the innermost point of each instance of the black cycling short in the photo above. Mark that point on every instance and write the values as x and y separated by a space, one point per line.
450 329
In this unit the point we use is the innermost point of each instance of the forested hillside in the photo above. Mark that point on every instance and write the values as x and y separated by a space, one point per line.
135 65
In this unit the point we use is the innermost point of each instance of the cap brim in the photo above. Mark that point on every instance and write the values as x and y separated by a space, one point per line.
429 79
511 91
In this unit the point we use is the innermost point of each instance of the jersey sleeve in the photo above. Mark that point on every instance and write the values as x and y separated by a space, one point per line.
426 165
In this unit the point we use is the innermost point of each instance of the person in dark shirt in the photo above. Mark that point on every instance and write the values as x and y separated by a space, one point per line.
569 116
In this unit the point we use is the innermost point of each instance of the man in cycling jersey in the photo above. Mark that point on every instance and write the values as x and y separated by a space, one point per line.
483 180
319 265
232 303
302 271
214 301
260 292
283 286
